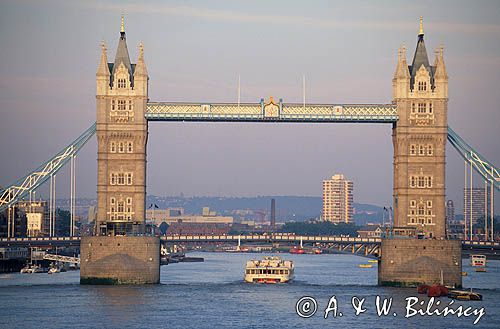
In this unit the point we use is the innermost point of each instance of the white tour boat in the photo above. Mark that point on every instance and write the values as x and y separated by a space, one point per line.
271 269
478 260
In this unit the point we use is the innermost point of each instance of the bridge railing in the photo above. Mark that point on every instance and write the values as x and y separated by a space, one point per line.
481 243
264 237
234 238
43 239
62 259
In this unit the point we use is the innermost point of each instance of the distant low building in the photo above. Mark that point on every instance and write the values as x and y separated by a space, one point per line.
182 228
370 231
162 215
206 212
250 223
456 230
37 217
158 216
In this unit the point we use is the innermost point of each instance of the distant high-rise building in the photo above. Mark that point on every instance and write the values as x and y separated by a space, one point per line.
479 198
450 211
273 212
338 200
92 214
454 227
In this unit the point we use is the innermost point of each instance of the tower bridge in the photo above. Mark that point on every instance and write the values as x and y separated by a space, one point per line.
418 114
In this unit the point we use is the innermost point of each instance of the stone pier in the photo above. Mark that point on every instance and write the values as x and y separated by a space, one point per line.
119 260
409 262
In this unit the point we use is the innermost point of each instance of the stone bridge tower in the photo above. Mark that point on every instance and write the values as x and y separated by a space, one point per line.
122 130
419 138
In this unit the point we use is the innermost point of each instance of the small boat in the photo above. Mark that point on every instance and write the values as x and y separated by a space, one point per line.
271 269
317 251
423 288
54 270
465 295
464 273
296 250
437 290
478 260
365 265
30 269
38 269
372 261
191 259
481 269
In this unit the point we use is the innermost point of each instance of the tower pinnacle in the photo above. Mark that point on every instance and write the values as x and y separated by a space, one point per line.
122 27
421 32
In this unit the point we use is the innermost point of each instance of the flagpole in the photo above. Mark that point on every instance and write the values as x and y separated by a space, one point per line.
239 89
304 90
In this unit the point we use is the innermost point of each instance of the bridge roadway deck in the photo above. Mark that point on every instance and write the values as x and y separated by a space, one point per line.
269 238
75 241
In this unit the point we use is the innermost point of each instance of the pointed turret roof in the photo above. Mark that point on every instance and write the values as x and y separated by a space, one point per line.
440 68
402 66
122 55
103 68
420 58
140 67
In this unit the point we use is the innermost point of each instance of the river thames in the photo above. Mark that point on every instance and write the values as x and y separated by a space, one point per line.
212 294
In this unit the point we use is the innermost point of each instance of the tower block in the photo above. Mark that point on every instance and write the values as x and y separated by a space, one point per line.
119 253
419 139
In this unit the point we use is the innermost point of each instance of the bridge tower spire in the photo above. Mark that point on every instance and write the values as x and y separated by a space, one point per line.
419 139
122 93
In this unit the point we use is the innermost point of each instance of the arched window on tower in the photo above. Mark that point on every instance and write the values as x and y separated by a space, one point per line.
122 83
430 150
422 86
422 107
413 149
421 150
120 206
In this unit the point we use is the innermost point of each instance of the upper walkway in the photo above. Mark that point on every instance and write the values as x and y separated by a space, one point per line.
271 112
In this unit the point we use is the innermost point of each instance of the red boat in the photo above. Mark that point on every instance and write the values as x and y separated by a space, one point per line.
436 290
296 250
423 288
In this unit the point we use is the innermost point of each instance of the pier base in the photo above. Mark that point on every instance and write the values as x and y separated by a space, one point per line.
119 260
410 262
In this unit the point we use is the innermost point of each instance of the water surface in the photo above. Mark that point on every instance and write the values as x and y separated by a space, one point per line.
213 295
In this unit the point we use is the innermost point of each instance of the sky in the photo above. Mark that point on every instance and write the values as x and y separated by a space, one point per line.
195 50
